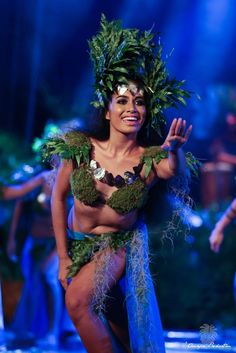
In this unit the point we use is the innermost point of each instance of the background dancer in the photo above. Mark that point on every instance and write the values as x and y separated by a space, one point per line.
39 260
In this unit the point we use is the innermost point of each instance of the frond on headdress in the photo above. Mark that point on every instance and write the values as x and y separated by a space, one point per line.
119 55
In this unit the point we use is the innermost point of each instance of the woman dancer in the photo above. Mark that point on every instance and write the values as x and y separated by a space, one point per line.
102 247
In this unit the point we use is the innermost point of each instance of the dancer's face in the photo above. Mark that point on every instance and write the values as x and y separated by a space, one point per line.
126 111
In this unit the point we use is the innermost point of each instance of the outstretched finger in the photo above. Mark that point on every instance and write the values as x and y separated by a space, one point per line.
182 128
172 127
188 132
178 126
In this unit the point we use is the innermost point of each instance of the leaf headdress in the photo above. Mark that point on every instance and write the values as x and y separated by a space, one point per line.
120 55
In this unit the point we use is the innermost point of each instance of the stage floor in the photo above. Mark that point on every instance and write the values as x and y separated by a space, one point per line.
176 342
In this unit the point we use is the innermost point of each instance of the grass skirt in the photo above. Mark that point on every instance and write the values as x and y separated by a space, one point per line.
145 329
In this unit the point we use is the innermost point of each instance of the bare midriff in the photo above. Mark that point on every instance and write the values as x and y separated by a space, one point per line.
99 219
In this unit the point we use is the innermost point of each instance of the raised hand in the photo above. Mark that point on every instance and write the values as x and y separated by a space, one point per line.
216 239
177 136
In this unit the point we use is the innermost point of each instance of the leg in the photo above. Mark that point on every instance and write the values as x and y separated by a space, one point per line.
116 314
54 293
25 308
79 296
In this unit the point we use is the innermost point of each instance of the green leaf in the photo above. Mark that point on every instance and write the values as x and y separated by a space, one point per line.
148 166
115 51
109 85
121 69
182 100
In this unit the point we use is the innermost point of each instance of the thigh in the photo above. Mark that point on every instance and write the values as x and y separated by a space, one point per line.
83 284
115 309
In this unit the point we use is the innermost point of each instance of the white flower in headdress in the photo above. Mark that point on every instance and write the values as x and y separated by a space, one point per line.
122 89
132 87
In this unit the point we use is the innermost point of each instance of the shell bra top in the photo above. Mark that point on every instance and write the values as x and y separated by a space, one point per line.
131 193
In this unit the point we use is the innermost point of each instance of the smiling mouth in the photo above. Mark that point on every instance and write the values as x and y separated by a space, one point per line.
131 118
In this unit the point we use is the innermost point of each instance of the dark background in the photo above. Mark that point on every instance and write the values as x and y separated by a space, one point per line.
46 73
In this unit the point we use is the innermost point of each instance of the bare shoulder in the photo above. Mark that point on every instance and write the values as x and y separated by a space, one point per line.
98 144
65 168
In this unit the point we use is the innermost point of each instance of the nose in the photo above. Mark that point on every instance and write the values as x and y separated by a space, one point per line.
131 108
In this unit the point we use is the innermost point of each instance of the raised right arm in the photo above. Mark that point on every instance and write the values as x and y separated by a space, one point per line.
59 217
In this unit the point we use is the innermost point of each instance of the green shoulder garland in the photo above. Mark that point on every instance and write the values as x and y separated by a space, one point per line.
75 145
156 153
150 153
72 145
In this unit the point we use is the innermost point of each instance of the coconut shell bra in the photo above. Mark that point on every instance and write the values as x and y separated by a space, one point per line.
131 190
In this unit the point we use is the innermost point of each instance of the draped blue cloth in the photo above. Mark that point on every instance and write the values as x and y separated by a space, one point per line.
145 328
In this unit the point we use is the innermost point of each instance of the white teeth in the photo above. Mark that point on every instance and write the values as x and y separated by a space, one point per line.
130 118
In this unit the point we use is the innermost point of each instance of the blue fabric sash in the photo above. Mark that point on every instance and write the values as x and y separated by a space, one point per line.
78 235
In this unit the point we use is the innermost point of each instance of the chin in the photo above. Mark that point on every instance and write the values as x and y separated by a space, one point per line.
131 129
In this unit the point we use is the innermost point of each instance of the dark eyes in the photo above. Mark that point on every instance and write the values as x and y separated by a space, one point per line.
138 101
122 101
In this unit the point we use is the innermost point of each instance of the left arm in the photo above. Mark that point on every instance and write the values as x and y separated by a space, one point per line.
217 234
11 241
16 191
176 138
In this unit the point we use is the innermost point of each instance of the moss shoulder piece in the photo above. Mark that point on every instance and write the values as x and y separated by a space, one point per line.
72 145
156 153
82 186
129 197
150 153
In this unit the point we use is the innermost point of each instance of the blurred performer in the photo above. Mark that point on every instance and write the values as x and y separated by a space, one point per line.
217 235
39 259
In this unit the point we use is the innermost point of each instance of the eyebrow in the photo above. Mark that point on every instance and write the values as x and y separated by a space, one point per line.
123 96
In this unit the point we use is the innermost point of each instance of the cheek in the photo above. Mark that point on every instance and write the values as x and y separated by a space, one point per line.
114 111
117 109
143 112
